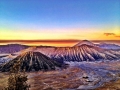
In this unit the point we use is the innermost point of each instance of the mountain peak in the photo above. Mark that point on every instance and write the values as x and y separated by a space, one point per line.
86 42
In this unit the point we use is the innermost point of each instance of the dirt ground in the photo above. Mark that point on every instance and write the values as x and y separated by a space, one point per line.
115 85
69 78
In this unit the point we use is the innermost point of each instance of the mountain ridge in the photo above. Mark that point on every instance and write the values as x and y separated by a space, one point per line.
81 53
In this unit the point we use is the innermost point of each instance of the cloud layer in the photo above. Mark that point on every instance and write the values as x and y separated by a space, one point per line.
111 34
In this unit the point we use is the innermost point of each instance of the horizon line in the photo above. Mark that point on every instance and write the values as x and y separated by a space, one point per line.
53 42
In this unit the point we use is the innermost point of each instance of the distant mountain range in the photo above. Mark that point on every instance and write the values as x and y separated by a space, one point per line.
108 46
83 51
12 48
101 45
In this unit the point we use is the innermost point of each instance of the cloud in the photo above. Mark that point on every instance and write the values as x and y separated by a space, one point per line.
112 34
109 34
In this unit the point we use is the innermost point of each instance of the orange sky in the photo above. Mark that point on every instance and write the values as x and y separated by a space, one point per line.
58 37
60 43
112 33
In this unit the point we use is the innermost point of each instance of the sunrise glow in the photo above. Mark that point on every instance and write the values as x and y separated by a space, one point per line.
56 20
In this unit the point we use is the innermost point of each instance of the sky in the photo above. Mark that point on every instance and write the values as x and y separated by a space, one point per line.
65 21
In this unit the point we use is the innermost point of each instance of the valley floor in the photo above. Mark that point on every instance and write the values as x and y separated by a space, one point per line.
110 86
79 76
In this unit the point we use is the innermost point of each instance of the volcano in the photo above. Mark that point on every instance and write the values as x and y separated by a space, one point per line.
32 61
86 42
80 53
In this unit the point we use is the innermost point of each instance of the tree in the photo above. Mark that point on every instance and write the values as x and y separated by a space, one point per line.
17 80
